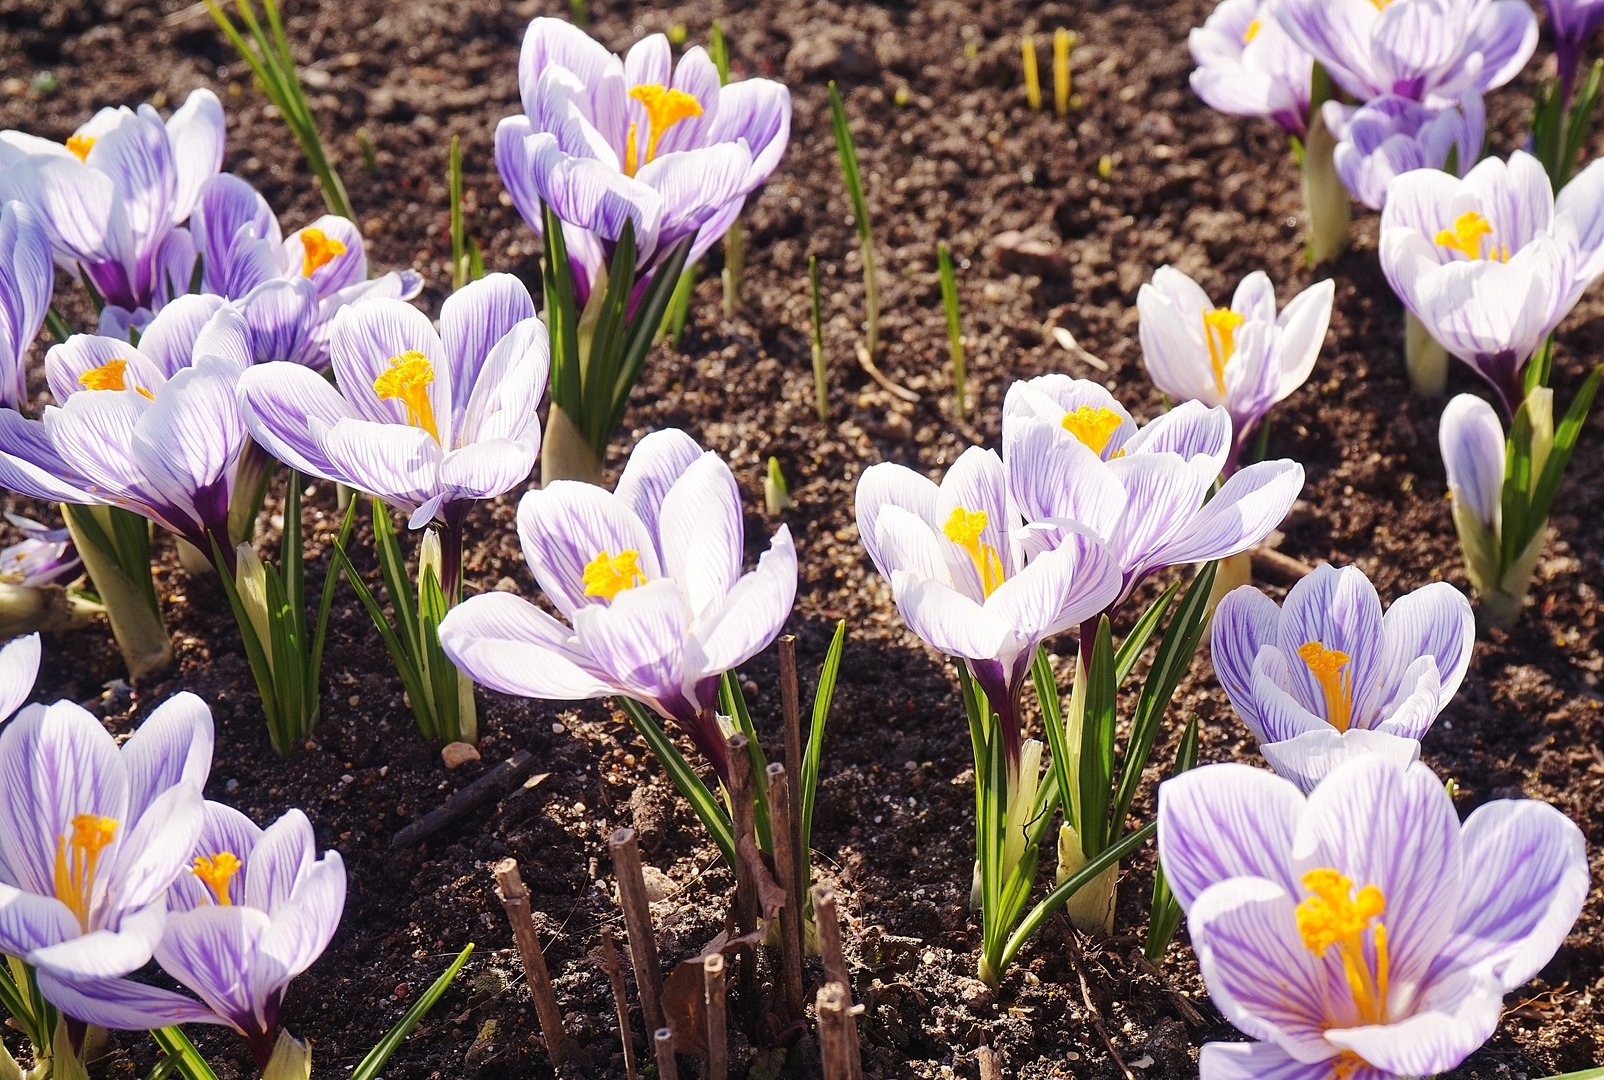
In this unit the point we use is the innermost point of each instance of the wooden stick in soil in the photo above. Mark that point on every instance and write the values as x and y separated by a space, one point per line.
791 914
515 900
718 1039
744 818
791 712
615 979
830 950
986 1059
667 1067
836 1046
638 921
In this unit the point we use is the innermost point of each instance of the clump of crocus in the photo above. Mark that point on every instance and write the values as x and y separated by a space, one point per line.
635 151
1362 931
1379 141
1491 263
1328 676
112 197
1076 462
1244 357
1429 50
648 579
255 909
27 277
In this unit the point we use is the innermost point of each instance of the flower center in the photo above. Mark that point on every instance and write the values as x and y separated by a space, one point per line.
321 249
1093 426
76 861
1466 237
80 145
112 375
1219 330
1338 917
1336 684
1251 32
407 380
965 528
664 108
215 872
608 575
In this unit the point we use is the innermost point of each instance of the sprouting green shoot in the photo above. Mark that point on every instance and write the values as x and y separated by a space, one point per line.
370 156
459 257
679 307
267 53
776 493
860 210
580 12
821 389
1063 42
720 50
955 340
1027 58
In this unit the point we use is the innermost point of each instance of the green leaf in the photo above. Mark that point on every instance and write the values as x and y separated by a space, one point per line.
603 367
955 341
562 317
1171 662
821 387
1135 643
1097 743
1585 1074
823 697
1052 720
1565 435
380 1054
685 778
179 1050
643 327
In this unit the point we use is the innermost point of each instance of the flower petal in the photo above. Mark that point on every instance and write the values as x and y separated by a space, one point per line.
506 643
1226 821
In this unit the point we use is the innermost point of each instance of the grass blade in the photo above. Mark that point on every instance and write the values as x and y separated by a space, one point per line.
823 697
847 151
1097 743
380 1054
955 341
821 387
733 702
182 1053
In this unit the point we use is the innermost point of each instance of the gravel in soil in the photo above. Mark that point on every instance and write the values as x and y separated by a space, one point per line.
949 153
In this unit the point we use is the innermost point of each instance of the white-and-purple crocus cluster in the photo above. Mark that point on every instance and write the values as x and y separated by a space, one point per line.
111 859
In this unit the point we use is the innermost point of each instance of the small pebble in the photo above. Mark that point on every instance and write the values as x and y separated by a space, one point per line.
558 727
457 754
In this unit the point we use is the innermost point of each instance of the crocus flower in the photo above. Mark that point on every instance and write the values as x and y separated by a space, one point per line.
425 421
19 669
1244 357
1077 463
1248 66
132 437
605 140
1430 50
93 834
1385 138
1362 932
1327 676
44 556
1573 23
287 289
958 571
1491 263
113 195
255 910
26 279
1473 453
649 580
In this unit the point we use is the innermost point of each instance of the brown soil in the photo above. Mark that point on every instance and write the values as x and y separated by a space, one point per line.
962 161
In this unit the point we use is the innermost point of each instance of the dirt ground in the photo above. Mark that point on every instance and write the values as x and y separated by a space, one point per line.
950 152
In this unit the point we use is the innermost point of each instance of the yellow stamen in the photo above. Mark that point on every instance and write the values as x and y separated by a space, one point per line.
321 249
1336 684
1251 32
112 375
1346 1065
608 575
665 107
407 380
966 529
1219 330
77 860
1093 426
1466 237
1337 916
215 872
80 145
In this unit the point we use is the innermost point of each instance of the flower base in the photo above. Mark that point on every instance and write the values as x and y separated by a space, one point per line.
1325 199
1091 909
565 454
1426 361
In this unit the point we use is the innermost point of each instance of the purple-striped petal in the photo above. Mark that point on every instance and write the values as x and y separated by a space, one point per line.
209 949
1448 1024
506 643
639 639
19 668
1266 1061
472 320
366 336
1244 623
1472 443
753 612
123 1004
1434 621
286 407
566 525
1242 513
172 746
1337 609
1309 758
702 534
1226 821
196 133
655 463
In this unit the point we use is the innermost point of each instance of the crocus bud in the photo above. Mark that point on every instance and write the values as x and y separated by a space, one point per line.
1472 441
1092 907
